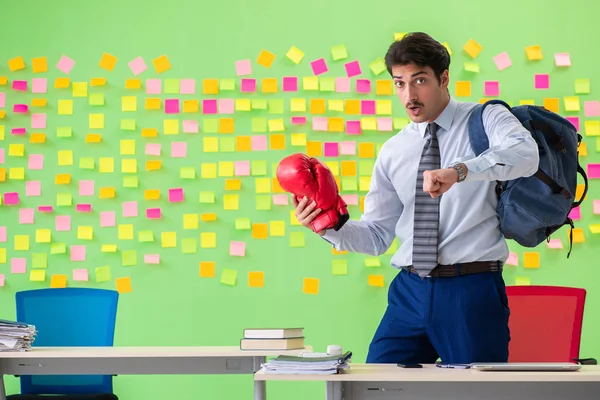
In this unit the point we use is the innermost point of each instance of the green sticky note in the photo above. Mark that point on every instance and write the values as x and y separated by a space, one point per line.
229 277
349 184
171 86
365 167
64 131
297 239
39 260
393 247
471 67
522 281
128 124
96 99
582 86
207 197
326 84
130 181
339 267
58 248
87 163
276 106
146 236
242 224
378 147
227 84
263 202
371 262
227 144
274 169
400 123
259 124
258 168
211 125
129 258
187 173
189 245
339 52
103 274
259 104
377 66
64 199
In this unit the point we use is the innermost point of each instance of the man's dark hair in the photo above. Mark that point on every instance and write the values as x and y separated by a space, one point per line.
420 49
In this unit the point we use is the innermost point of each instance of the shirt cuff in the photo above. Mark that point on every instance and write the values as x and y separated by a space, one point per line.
476 168
333 237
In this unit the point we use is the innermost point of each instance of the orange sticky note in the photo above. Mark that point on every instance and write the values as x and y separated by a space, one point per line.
336 253
256 279
207 269
16 64
37 138
107 192
190 106
383 87
62 83
210 86
277 142
108 62
552 104
335 124
93 138
269 85
348 168
376 280
472 48
579 191
583 149
531 259
39 64
2 114
98 82
276 187
149 132
243 143
123 285
39 102
366 150
578 235
2 174
152 194
463 88
3 80
153 165
133 84
310 286
58 281
233 184
260 230
314 149
62 179
317 106
226 125
352 107
208 217
265 58
161 64
152 104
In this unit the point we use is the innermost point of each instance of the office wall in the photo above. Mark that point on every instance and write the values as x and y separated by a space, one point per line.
169 303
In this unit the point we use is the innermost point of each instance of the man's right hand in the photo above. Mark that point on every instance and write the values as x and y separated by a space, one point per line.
306 212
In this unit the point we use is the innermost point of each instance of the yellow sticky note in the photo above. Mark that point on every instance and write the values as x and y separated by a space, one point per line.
472 48
572 103
171 126
65 107
256 279
207 269
65 157
531 259
231 202
208 170
58 281
107 192
263 185
37 275
399 36
85 232
125 231
310 286
298 105
129 103
534 53
96 121
16 64
108 61
276 125
123 285
463 88
161 64
16 150
295 54
129 166
310 83
376 280
190 221
277 228
127 147
522 281
80 89
168 239
39 65
107 164
383 107
16 173
108 248
592 127
335 105
243 105
208 240
22 242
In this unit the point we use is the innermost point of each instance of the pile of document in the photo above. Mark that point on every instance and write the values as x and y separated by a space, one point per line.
16 336
307 364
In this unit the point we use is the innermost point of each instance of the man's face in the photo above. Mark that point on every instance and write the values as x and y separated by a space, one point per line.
420 92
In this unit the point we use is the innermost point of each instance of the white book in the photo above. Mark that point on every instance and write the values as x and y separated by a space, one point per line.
273 333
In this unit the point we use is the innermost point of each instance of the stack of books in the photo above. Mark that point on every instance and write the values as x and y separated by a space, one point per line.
16 336
308 365
272 339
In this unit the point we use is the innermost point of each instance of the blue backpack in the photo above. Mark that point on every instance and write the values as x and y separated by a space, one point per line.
531 209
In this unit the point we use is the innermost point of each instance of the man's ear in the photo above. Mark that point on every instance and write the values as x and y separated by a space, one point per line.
444 79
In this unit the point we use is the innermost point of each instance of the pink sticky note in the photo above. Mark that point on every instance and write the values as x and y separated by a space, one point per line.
353 127
20 108
77 253
38 121
243 67
176 195
187 86
352 69
65 64
2 280
153 149
21 86
363 86
36 161
80 274
18 131
593 171
596 208
350 199
248 85
171 106
153 86
385 124
33 188
591 108
348 148
541 81
331 149
2 234
130 209
367 107
2 100
86 188
319 124
62 223
259 142
491 88
502 61
11 198
45 209
190 126
575 214
513 259
152 258
226 106
1 155
298 120
39 85
280 199
319 66
290 83
574 121
237 249
209 106
242 168
554 244
26 216
153 213
83 208
179 149
138 66
107 219
18 265
562 59
342 85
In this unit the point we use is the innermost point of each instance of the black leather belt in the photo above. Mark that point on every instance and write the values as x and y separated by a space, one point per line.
449 271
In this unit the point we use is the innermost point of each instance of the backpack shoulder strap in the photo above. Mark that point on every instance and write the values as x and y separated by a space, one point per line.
477 135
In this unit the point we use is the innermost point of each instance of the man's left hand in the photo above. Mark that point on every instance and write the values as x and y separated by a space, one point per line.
439 181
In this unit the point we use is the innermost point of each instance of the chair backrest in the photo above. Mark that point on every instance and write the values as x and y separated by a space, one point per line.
68 317
545 323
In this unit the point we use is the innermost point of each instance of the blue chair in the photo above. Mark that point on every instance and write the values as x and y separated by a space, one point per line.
68 317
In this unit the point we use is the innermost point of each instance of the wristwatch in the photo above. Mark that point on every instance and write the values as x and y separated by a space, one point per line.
461 169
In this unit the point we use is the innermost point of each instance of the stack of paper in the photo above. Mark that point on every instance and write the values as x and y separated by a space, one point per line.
16 336
326 365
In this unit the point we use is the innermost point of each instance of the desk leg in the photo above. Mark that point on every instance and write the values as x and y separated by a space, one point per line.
260 387
333 390
2 389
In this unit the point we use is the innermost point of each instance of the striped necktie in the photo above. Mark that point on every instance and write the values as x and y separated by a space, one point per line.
427 210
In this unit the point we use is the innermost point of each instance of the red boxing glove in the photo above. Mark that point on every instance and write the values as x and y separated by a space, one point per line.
306 176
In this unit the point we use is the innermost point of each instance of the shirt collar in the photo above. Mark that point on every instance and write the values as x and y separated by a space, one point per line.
444 120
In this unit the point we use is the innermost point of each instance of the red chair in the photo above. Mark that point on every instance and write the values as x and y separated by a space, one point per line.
545 323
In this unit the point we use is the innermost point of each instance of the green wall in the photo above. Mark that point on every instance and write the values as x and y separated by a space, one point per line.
170 304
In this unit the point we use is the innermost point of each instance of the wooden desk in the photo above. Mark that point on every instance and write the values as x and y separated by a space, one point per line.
136 361
387 381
